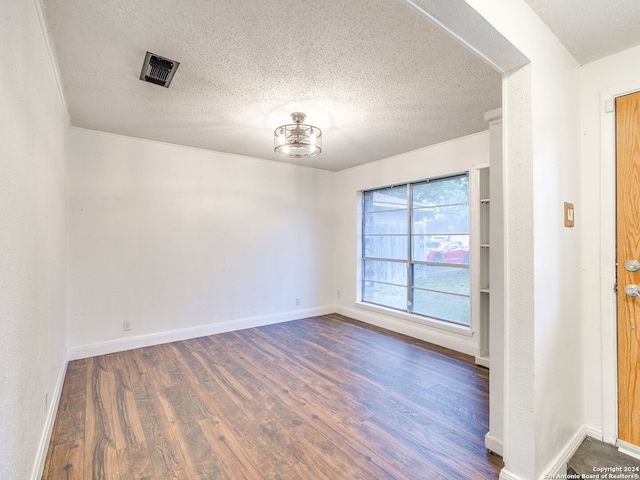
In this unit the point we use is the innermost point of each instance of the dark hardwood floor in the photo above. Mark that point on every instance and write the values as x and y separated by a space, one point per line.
319 398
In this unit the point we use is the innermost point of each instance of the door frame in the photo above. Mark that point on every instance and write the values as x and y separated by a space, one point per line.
608 305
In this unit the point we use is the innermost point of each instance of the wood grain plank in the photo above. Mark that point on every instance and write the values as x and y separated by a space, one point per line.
324 397
133 455
185 409
65 461
135 462
70 419
164 450
325 415
233 458
101 461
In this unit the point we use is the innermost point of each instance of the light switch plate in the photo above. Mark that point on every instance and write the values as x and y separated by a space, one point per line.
569 215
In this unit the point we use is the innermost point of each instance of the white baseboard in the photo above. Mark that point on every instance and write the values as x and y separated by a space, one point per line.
43 445
595 433
460 343
628 449
494 444
139 341
506 475
483 362
558 465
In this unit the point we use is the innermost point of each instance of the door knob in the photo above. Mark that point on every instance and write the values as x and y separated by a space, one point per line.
632 290
632 265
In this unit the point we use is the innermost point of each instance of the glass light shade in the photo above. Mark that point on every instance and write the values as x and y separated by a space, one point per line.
298 139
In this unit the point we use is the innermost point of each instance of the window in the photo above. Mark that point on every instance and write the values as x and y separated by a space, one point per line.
415 248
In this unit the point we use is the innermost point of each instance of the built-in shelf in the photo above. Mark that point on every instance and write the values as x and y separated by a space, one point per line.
490 223
483 288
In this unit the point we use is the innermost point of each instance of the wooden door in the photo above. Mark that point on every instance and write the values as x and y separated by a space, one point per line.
628 248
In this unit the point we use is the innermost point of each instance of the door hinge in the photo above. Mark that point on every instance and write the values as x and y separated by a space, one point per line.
615 288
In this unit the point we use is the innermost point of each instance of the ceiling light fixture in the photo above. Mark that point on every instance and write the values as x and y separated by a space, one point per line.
298 139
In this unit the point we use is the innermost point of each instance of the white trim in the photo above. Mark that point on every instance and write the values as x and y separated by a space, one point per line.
558 465
493 443
607 274
494 115
506 475
122 344
595 433
459 343
52 409
607 261
52 60
628 449
465 24
483 361
426 321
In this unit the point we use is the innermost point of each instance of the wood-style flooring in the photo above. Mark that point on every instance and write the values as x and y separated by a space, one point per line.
320 398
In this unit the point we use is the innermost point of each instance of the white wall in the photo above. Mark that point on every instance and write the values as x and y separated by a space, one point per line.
32 240
446 158
186 242
601 80
544 414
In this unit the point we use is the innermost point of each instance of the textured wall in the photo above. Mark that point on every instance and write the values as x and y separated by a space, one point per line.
543 403
32 237
175 238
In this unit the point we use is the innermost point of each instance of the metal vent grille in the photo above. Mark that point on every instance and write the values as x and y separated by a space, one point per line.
158 70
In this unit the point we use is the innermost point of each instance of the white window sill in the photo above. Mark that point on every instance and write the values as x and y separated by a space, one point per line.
426 321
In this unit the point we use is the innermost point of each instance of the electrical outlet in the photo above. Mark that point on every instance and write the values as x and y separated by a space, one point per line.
298 301
126 325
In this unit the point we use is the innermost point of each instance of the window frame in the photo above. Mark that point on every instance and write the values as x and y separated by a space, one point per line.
410 263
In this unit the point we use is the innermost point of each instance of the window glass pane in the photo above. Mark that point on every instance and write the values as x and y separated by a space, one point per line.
443 279
437 217
387 246
390 198
392 296
440 249
389 272
394 222
442 191
441 220
442 305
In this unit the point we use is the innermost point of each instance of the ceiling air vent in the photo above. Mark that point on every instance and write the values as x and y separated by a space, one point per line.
158 70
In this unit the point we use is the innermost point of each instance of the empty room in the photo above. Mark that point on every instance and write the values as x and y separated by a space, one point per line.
316 240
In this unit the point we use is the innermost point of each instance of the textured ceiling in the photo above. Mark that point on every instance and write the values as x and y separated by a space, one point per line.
376 76
591 29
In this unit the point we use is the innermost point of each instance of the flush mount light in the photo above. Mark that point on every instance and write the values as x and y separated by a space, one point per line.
298 139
